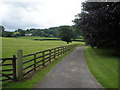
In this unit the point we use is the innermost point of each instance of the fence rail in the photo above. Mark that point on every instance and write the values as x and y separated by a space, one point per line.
28 63
8 73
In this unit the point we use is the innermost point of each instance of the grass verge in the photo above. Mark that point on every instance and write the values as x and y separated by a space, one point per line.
104 65
37 76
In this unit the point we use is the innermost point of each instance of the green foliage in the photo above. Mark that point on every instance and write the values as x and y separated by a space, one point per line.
104 65
7 34
76 32
21 32
4 33
99 23
16 34
1 30
66 33
50 32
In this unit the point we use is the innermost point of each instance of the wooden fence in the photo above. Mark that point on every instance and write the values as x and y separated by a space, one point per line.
8 68
28 63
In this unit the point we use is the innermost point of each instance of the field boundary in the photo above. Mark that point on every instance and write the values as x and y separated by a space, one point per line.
56 40
24 65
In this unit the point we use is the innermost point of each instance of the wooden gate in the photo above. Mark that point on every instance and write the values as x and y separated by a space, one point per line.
8 68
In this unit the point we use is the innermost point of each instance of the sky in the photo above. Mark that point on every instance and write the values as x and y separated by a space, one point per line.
24 14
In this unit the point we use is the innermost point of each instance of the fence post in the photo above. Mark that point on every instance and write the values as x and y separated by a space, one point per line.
35 62
58 51
20 65
54 53
61 50
64 49
14 67
67 48
50 55
43 58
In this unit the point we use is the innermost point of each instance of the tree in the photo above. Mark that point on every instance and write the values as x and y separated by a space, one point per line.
99 23
16 34
21 32
1 30
66 33
76 32
4 33
37 32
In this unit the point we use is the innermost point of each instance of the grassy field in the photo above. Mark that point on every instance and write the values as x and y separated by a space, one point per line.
11 45
104 66
35 37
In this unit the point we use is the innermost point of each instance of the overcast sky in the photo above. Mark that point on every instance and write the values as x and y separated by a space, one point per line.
15 14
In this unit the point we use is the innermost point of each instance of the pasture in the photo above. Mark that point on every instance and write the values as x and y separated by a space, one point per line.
104 66
11 45
35 37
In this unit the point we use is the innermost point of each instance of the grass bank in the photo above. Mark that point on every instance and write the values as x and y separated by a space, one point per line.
104 66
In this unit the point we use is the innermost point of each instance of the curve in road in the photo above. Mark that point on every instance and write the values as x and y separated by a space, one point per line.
71 72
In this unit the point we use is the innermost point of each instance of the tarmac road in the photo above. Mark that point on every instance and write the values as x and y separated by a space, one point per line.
71 72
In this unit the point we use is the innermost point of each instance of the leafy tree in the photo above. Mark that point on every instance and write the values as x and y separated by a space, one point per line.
4 33
76 32
1 30
7 34
16 34
50 32
99 23
66 33
21 32
37 32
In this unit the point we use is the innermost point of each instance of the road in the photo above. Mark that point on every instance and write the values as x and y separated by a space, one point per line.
71 72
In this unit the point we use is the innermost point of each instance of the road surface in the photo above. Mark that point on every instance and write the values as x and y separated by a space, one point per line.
71 72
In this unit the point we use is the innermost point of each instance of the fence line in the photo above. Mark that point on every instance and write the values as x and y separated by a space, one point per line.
8 74
28 63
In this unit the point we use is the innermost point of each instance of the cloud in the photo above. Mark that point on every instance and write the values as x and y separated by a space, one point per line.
37 13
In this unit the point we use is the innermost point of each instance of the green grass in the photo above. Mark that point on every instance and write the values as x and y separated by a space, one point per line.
38 77
11 45
35 37
104 66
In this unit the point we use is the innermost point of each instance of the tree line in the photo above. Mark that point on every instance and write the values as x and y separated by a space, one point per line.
51 32
65 32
